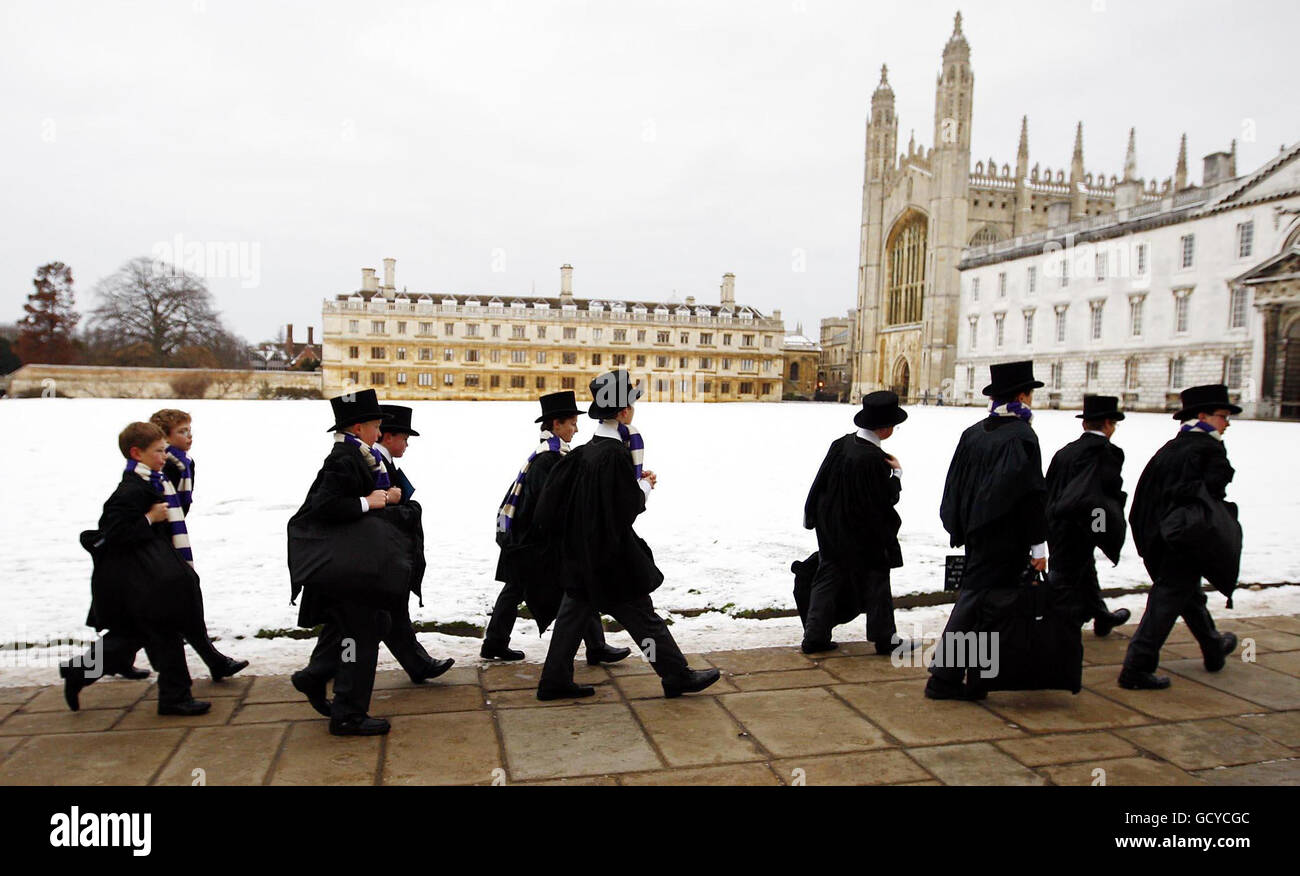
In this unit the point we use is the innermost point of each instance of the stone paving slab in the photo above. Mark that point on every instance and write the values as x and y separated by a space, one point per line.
127 758
224 756
974 763
1196 745
775 717
1123 772
901 709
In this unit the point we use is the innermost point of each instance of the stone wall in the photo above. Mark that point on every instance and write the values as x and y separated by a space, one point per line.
92 381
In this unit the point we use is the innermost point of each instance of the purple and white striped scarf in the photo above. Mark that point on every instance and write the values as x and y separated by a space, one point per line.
506 513
1011 409
175 516
373 458
1200 426
633 441
185 489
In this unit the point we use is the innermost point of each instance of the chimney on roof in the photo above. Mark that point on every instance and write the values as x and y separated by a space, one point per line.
311 340
368 280
729 289
288 336
390 267
776 315
690 300
566 283
1217 168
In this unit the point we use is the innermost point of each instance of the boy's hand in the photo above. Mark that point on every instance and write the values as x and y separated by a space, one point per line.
158 513
394 495
377 499
651 477
893 462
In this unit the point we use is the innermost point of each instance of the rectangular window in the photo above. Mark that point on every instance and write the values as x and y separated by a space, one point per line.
1131 374
1233 371
1090 377
707 387
975 289
706 363
683 362
566 383
746 364
354 352
401 378
448 379
1100 261
665 337
471 330
1188 247
378 352
1065 271
376 326
448 354
376 378
1245 239
1180 310
494 355
1135 316
747 340
426 328
706 338
425 379
1176 373
517 381
661 361
570 333
401 354
541 383
619 359
726 340
1033 279
471 380
1142 260
1002 285
401 328
974 330
541 331
496 331
726 387
518 357
354 325
1029 327
640 336
620 335
640 361
767 340
518 331
472 356
746 388
595 358
998 321
448 329
1060 326
685 338
494 381
1237 309
569 358
1097 308
354 377
597 334
1056 375
541 357
726 364
426 354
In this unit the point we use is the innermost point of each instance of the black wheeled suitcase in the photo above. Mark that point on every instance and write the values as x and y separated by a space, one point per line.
1038 645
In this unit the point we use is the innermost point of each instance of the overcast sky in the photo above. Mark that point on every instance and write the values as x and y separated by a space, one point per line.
652 145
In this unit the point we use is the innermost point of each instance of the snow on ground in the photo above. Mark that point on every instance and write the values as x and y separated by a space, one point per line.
724 521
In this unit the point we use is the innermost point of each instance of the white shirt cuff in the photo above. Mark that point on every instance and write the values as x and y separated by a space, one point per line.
1038 551
644 484
365 504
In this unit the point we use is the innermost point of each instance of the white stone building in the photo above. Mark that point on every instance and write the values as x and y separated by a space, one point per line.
1194 287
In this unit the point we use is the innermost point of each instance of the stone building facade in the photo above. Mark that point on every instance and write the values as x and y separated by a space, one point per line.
921 207
802 356
835 370
519 347
1198 286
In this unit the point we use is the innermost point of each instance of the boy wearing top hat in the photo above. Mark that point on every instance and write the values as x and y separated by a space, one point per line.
350 567
851 506
587 510
993 504
1185 529
1085 510
526 570
407 515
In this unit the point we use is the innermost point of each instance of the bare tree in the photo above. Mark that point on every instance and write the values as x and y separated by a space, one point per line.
155 310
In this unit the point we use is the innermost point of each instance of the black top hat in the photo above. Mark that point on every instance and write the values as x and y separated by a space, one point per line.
397 418
1100 407
1205 399
1010 378
879 409
611 392
355 407
558 406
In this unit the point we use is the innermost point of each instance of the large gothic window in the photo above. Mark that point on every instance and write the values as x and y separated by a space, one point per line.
986 236
906 275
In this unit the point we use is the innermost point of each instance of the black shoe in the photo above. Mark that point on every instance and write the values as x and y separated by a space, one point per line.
228 669
133 673
903 647
818 647
359 725
499 652
1216 661
607 655
433 670
1131 680
572 692
1102 626
313 690
189 708
74 679
947 690
692 681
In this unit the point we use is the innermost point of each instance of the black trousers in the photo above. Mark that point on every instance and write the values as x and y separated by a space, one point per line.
1073 567
401 641
990 564
1175 592
347 651
873 590
506 610
196 636
638 617
116 650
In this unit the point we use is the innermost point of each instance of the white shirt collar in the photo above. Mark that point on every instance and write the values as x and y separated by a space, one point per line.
388 457
868 435
604 430
1096 432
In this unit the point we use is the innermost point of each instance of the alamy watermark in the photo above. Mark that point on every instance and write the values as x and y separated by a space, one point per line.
211 259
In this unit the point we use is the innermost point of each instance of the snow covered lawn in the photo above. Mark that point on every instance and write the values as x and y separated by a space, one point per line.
724 522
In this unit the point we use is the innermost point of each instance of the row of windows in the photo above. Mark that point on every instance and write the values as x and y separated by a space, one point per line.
1245 244
520 381
1233 373
542 357
1237 311
568 333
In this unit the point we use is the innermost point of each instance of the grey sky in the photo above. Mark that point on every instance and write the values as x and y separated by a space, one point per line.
653 145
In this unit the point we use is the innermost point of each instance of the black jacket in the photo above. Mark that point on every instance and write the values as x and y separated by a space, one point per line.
525 558
139 581
995 489
1180 506
586 513
337 551
851 506
1085 497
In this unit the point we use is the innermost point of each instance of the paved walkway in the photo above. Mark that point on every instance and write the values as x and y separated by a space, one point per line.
776 717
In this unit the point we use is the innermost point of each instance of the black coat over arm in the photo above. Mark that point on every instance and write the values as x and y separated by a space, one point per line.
586 513
1085 478
851 506
525 556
